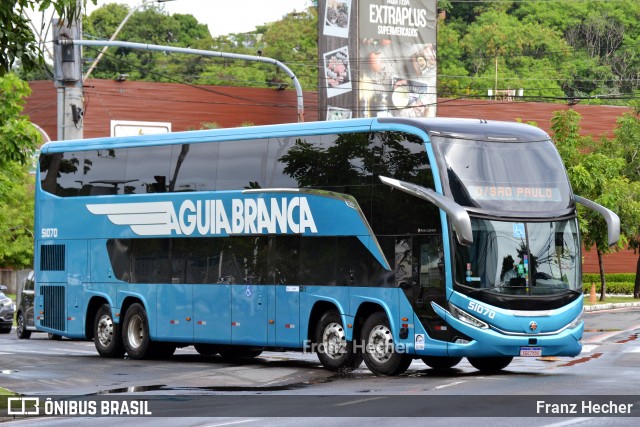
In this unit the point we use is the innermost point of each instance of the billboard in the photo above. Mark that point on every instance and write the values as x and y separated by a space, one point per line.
377 58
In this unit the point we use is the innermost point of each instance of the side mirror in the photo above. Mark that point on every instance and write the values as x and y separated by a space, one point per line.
457 214
612 219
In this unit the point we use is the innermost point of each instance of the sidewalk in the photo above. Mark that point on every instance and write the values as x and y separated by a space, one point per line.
609 306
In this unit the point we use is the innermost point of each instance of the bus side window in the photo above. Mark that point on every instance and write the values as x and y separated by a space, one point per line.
277 162
147 170
193 167
284 260
61 173
104 172
242 165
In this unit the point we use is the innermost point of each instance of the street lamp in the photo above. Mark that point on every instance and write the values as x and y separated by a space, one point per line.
115 33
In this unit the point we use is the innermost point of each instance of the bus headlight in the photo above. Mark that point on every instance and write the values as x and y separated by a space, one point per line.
465 317
576 322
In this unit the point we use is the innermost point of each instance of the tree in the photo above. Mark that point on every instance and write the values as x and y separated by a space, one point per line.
18 139
505 53
596 172
626 143
16 37
153 26
604 40
294 41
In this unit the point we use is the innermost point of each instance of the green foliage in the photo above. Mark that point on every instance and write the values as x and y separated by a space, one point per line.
573 49
620 288
600 172
18 137
589 278
292 40
150 25
16 216
16 36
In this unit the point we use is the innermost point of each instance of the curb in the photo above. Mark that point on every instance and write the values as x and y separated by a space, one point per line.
610 306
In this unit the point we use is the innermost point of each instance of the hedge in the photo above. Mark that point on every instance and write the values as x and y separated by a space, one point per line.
622 288
611 277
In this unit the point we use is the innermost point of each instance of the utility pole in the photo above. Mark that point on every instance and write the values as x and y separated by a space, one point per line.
67 70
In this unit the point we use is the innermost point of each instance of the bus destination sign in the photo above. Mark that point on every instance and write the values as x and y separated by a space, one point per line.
520 194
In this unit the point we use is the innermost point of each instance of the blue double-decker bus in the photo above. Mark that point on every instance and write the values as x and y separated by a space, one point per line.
383 240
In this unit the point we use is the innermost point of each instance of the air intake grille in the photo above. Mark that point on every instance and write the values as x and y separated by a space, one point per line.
52 257
54 315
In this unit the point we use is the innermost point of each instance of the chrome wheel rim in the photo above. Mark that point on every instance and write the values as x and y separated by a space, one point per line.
380 344
334 341
104 331
135 332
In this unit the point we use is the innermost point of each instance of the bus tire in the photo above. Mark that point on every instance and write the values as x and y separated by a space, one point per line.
333 350
106 334
380 354
162 350
207 349
441 363
135 333
239 354
21 329
490 364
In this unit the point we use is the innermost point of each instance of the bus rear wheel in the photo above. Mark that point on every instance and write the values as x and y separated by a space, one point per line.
441 363
207 349
490 364
239 354
333 350
380 353
135 332
106 334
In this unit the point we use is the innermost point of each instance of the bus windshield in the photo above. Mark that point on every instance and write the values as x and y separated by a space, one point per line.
505 176
520 258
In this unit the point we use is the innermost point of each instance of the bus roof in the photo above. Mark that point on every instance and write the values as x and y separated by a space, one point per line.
458 128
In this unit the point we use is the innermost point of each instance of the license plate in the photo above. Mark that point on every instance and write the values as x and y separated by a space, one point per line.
530 351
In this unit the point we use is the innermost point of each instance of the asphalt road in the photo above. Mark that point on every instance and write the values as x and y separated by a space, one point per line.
286 386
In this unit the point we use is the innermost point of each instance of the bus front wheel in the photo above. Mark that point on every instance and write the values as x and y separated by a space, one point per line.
490 364
333 350
380 353
135 332
106 336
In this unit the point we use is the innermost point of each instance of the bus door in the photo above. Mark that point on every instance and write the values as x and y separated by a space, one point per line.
245 269
283 271
423 257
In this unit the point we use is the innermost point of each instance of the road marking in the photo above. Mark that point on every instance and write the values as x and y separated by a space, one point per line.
605 336
449 385
568 422
588 348
230 423
354 402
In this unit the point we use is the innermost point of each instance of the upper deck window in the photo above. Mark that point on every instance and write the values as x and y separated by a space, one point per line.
504 176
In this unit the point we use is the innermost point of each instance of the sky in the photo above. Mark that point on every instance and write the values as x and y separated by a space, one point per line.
224 17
